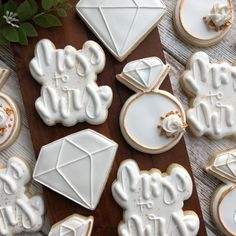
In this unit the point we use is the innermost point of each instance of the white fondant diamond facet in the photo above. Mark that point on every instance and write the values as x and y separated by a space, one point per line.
77 166
121 24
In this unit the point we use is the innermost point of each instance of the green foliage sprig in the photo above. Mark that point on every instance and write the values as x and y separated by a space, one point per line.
18 19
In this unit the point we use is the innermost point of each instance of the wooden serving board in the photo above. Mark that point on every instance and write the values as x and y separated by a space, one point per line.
107 214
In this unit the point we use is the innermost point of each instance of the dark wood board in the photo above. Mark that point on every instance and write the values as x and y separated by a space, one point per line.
107 214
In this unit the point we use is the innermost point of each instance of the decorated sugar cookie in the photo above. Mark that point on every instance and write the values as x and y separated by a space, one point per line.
203 23
10 117
74 225
20 211
69 93
78 167
223 206
212 87
153 201
121 24
152 120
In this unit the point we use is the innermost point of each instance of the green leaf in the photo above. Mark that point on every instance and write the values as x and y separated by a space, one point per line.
61 12
66 5
24 11
2 20
47 20
56 2
34 6
3 41
10 34
22 37
47 4
10 6
29 29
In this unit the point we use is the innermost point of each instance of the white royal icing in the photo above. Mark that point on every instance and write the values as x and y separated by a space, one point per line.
172 125
10 118
121 24
3 118
219 14
74 225
223 166
78 166
144 134
69 92
188 19
213 87
18 212
153 202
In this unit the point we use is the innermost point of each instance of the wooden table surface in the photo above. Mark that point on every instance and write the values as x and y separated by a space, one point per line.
176 53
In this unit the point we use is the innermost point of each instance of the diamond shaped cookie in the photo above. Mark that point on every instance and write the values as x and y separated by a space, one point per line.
121 24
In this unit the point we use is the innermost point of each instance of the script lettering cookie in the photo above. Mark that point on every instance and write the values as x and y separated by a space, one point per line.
121 24
10 117
152 120
223 206
74 225
77 166
212 87
69 93
203 23
19 211
153 201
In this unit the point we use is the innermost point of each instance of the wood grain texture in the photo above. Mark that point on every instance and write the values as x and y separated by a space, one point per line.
108 214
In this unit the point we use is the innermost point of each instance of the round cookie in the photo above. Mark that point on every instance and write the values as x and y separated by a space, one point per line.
203 23
10 117
223 206
152 120
153 201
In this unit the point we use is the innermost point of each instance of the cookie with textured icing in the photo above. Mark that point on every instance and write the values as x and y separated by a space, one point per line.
20 211
77 166
74 225
10 117
152 201
212 88
203 23
223 206
121 24
69 93
152 120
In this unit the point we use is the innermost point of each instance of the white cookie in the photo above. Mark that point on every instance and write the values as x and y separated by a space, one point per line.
69 92
74 225
153 201
19 210
223 206
152 120
10 117
78 167
203 23
212 86
121 24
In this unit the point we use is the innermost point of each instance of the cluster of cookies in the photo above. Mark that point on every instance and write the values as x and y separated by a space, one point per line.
78 166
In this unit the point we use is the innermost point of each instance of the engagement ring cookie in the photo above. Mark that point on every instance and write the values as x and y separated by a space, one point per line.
20 211
121 24
152 120
69 93
153 201
203 23
223 206
10 117
74 225
212 87
77 166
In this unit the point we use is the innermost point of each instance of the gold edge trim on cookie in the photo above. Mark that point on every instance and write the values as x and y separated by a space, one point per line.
138 88
221 34
142 147
17 120
223 195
